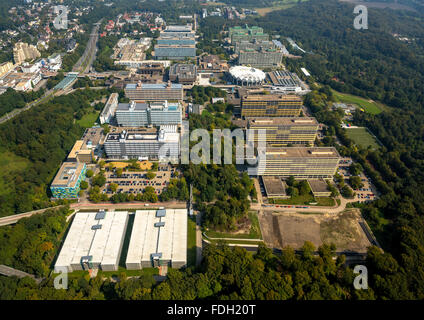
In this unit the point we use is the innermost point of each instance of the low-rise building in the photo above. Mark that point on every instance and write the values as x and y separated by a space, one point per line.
183 73
285 81
158 238
94 241
274 187
319 187
66 184
81 153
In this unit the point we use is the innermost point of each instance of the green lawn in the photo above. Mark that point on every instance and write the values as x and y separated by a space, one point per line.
88 119
325 201
298 200
254 233
362 137
191 241
368 106
10 164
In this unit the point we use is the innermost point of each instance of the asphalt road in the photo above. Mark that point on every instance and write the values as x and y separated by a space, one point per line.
85 62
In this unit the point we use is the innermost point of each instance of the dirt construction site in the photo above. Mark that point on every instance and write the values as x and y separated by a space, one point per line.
347 230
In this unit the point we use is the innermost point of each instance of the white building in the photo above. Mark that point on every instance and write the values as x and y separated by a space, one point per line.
94 241
158 238
109 110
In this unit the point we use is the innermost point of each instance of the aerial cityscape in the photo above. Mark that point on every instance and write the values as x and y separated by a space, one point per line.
202 150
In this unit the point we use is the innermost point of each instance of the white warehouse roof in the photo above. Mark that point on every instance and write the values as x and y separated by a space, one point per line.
100 239
170 240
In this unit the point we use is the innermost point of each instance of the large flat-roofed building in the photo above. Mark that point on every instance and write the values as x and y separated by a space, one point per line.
183 73
109 109
247 34
181 31
284 131
259 54
271 105
131 53
94 241
253 45
81 153
66 184
319 187
285 81
176 43
151 69
158 238
156 145
154 92
274 187
144 114
300 162
175 51
176 40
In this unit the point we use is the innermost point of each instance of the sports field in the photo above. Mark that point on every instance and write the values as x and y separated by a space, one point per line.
368 105
362 137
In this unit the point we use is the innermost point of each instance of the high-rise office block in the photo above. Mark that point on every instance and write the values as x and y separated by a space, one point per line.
154 92
283 131
271 106
247 34
162 145
299 162
144 114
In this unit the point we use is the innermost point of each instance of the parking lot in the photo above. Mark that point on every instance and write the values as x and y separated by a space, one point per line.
367 193
136 181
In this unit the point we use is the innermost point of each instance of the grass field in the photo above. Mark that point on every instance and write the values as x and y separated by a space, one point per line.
254 233
368 105
362 137
9 164
277 5
191 241
88 119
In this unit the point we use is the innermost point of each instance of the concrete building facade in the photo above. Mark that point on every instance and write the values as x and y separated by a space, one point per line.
154 92
156 145
300 162
283 131
271 106
144 114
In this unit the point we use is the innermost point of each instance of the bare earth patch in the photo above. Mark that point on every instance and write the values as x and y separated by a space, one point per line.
293 229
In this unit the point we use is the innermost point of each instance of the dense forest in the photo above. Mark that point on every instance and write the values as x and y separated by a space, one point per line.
33 145
374 64
32 243
12 99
